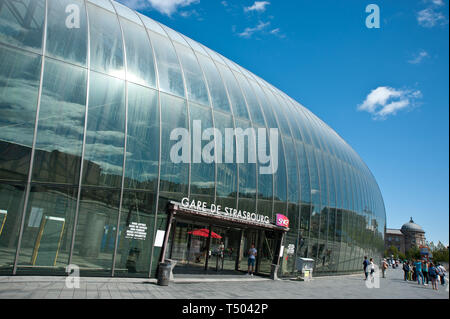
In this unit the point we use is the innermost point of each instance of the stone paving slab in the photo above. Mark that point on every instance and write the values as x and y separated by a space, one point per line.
336 287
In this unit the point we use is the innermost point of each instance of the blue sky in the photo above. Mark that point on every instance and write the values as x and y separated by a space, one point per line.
384 90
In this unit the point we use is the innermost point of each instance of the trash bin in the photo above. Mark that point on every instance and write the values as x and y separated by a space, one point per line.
164 274
305 266
274 272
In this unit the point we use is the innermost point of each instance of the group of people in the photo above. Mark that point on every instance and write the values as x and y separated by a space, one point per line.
423 272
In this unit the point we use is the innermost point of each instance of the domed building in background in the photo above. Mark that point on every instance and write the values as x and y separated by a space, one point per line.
405 238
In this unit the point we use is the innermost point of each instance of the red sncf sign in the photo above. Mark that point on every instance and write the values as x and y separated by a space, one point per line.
282 221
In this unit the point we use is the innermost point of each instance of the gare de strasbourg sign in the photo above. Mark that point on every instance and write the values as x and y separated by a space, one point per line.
233 213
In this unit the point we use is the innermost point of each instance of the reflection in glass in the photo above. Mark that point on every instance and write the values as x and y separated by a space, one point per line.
203 173
135 235
67 31
141 166
61 124
195 84
22 23
235 93
140 63
11 206
169 72
96 230
215 84
48 227
106 42
174 176
19 84
105 135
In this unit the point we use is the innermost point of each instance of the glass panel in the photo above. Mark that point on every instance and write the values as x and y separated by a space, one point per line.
104 4
141 167
174 172
215 84
202 173
61 123
48 228
246 150
22 23
170 78
96 230
19 85
226 172
135 240
151 24
235 93
174 35
252 102
195 46
106 42
195 83
265 106
280 177
105 137
291 161
126 12
11 206
140 63
67 38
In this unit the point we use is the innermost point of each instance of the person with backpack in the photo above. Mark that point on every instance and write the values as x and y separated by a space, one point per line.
366 267
433 273
406 270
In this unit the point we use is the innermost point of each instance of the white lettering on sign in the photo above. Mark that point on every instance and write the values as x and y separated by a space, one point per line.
136 231
226 211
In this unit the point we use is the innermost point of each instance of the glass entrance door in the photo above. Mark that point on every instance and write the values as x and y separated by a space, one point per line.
188 246
224 249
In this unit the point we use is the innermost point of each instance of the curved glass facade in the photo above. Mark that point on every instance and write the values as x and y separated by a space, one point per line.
90 92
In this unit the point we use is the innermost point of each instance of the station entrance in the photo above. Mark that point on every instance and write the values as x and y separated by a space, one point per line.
203 243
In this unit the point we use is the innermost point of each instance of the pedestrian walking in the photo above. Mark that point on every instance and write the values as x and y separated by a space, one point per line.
372 269
441 272
252 252
405 271
411 271
384 267
433 276
366 267
425 271
419 274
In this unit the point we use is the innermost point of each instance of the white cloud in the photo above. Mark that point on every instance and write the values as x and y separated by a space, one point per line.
248 32
419 57
167 7
259 6
428 18
385 101
436 2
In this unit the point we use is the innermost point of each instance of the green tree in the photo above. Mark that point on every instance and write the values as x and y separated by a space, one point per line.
413 253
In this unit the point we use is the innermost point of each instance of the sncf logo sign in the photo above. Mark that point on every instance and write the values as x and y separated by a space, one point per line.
282 221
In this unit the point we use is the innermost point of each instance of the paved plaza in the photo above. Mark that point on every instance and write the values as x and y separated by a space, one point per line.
219 287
